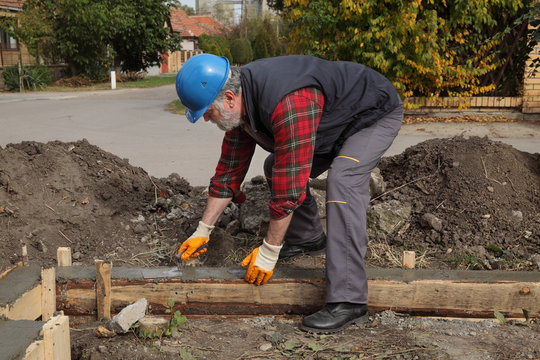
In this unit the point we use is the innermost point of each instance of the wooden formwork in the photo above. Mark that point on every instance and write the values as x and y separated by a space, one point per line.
30 327
90 293
222 291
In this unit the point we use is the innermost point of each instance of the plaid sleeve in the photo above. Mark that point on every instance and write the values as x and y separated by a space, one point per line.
294 121
236 152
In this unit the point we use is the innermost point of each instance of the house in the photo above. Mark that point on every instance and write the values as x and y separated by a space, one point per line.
189 28
10 47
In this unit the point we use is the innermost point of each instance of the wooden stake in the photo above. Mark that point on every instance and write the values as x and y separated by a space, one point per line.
56 338
48 293
409 261
103 289
24 253
153 325
63 255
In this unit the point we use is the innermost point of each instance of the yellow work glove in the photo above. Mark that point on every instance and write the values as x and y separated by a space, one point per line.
200 237
261 263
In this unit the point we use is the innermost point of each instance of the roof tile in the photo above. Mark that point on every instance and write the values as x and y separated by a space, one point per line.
194 26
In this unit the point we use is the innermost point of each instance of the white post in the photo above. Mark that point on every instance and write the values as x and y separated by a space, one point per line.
113 79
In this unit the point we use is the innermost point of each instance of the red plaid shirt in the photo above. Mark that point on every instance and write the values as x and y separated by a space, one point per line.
294 125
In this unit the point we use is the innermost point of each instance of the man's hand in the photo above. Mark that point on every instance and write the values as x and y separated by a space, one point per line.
261 263
200 237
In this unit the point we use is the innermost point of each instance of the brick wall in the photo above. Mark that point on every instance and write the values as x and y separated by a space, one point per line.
482 103
11 57
531 83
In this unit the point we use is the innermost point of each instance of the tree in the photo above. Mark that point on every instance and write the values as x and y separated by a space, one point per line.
141 36
241 51
187 9
88 34
216 45
264 39
427 48
80 31
262 35
277 5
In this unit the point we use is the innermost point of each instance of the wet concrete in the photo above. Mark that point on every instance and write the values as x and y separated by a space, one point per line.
18 282
16 336
187 274
190 274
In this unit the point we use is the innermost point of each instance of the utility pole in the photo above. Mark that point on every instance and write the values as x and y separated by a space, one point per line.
244 19
21 78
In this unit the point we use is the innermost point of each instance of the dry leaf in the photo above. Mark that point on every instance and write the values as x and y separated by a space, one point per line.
163 194
85 201
103 332
1 209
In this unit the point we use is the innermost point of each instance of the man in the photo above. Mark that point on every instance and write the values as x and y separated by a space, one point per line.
312 115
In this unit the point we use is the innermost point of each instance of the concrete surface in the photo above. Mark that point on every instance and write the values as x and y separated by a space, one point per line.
16 336
133 124
18 282
190 273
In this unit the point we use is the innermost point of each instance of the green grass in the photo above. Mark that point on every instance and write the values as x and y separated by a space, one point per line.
176 107
147 82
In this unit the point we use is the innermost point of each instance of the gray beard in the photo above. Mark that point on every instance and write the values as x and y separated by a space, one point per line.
229 119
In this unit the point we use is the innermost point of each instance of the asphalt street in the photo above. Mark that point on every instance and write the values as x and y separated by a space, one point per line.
133 124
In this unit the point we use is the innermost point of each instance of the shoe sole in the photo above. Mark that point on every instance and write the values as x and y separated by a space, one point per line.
362 319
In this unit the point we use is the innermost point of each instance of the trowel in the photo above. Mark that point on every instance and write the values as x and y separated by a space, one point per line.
179 255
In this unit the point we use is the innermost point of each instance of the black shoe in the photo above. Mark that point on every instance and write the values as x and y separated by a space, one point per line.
334 317
311 248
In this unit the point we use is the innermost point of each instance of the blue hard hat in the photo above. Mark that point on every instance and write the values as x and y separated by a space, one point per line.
199 81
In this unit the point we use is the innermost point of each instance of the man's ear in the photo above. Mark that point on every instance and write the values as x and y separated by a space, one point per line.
230 98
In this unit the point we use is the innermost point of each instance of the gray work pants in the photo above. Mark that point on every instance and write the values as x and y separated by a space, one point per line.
347 198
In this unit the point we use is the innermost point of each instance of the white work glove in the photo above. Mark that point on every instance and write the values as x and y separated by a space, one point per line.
201 236
261 263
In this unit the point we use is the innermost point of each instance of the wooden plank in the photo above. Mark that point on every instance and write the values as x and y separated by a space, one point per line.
56 339
48 293
237 297
455 297
103 289
26 307
35 351
424 296
63 256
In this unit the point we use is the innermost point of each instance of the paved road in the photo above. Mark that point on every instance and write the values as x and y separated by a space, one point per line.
133 124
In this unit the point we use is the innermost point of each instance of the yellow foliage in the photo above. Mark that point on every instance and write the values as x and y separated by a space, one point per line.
420 51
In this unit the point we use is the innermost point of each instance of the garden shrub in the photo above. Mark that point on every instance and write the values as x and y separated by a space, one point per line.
34 77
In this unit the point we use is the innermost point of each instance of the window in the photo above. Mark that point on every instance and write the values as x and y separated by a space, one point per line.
7 42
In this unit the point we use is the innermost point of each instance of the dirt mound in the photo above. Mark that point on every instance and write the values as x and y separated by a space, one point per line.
77 195
474 202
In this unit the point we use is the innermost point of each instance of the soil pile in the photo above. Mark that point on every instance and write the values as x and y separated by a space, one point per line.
77 195
473 201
